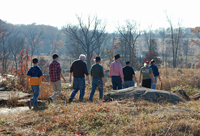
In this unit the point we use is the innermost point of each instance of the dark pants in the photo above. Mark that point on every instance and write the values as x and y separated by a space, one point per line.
96 82
146 83
116 82
78 84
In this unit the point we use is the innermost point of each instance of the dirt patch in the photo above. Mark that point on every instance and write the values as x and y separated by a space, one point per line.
170 111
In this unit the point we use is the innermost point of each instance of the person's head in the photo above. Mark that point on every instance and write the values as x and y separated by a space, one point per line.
128 63
117 57
35 61
146 63
152 62
82 57
98 59
55 57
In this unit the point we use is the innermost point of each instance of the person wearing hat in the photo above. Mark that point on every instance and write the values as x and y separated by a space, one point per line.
129 74
116 73
146 73
97 76
155 73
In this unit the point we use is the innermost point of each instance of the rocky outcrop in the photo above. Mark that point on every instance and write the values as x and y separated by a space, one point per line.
183 94
141 93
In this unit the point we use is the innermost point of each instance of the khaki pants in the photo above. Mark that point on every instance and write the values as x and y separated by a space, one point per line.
56 89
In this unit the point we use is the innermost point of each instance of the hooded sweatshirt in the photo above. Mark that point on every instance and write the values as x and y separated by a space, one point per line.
35 75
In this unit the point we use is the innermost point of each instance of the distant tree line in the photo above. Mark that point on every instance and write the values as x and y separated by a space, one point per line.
170 47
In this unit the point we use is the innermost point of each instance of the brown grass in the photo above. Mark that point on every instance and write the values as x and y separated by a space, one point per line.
126 117
46 90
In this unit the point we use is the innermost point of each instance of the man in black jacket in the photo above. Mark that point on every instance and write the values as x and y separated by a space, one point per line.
79 70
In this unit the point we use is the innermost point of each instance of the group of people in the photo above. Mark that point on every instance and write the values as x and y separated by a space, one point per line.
121 77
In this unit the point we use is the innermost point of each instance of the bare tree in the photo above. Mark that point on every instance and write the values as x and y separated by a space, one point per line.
186 49
8 29
16 44
129 32
162 33
150 40
33 37
175 35
89 36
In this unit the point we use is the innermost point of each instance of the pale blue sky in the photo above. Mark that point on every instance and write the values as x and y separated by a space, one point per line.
60 12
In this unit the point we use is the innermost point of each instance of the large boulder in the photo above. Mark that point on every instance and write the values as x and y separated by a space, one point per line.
142 93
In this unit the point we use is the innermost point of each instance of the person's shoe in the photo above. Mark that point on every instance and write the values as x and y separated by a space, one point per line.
49 100
70 100
35 108
29 104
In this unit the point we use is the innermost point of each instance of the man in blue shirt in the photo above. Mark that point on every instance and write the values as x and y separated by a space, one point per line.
155 73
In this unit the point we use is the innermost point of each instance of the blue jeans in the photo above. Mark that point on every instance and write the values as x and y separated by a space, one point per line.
128 84
78 84
116 82
96 82
153 86
35 90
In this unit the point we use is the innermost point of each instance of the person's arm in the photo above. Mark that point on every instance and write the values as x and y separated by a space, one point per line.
140 78
63 77
70 76
135 78
110 71
88 79
159 78
158 75
70 72
85 70
152 76
121 73
103 81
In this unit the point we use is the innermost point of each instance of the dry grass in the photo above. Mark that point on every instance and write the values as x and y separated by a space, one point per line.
178 77
114 118
127 117
46 90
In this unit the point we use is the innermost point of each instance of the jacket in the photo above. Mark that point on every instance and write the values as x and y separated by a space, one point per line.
35 75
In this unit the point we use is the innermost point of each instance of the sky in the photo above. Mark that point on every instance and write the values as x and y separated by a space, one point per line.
60 12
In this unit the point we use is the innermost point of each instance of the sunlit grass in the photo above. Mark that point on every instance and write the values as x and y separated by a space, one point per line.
126 117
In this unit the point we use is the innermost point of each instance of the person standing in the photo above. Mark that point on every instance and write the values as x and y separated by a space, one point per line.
97 76
35 76
155 73
146 74
129 74
55 75
79 70
116 73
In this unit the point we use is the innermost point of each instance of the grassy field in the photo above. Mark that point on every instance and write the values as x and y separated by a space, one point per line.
126 117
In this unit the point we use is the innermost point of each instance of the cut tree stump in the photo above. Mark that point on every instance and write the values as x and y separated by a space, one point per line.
141 93
196 96
22 102
183 94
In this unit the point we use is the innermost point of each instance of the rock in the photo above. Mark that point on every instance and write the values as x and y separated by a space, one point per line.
196 96
13 110
6 95
182 94
142 94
